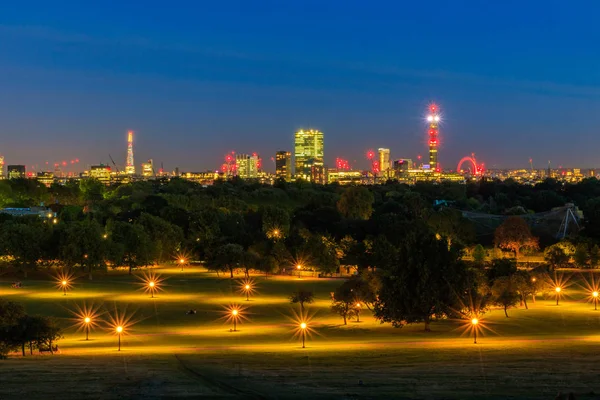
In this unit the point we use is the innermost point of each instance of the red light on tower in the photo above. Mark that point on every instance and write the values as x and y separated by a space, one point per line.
370 154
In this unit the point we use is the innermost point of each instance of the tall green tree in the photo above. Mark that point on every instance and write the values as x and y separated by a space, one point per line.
83 244
228 257
514 235
129 245
302 297
504 293
423 282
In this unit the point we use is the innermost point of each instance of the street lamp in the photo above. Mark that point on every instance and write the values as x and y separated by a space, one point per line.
247 288
152 288
557 290
358 308
234 315
595 296
474 323
64 284
119 332
182 261
87 321
303 327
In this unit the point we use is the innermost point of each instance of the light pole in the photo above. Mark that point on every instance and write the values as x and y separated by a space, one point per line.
595 295
557 289
151 287
303 327
87 321
64 286
474 323
119 331
247 289
181 261
234 315
358 309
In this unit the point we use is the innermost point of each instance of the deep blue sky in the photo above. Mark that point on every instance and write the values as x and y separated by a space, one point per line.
515 79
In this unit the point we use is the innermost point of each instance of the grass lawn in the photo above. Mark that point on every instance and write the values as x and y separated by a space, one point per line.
534 354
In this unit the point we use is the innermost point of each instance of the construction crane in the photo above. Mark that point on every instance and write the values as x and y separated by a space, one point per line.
113 161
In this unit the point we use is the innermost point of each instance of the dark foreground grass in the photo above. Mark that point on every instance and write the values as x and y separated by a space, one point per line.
534 354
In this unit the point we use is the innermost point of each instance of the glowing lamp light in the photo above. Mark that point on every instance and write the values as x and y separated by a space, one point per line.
87 320
119 329
430 118
558 289
474 321
64 283
595 294
298 266
303 325
151 284
247 287
437 118
234 312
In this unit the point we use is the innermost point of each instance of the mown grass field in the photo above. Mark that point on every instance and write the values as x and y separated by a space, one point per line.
534 354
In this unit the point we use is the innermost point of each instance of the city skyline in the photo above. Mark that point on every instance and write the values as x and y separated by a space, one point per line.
193 89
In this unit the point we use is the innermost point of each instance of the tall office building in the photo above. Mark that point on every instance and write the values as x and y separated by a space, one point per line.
129 165
283 165
246 166
1 167
433 118
308 154
101 172
16 172
384 160
148 169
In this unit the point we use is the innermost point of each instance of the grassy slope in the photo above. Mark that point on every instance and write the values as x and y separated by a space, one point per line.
532 355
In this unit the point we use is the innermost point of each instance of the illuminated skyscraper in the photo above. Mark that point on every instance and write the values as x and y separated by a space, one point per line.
246 166
384 160
308 154
16 172
129 165
433 118
283 165
1 167
148 169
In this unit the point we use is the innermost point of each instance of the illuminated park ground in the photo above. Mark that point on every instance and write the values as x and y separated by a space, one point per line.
534 354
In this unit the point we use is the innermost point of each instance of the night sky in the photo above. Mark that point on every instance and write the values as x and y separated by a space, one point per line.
194 80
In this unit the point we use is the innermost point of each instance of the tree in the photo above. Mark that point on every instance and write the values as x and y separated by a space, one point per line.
275 222
501 267
594 256
10 315
344 301
356 202
514 235
166 237
504 293
555 256
24 240
82 243
228 257
450 223
302 297
524 285
130 245
581 255
423 282
479 255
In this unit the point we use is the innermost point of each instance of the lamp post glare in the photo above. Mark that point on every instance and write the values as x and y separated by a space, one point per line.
234 315
558 290
247 289
152 288
358 308
595 296
87 321
64 284
119 332
303 327
474 323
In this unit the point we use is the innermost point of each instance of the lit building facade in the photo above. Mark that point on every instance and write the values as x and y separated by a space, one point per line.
16 172
46 178
148 169
384 160
101 172
433 118
283 165
309 154
246 166
344 177
129 165
1 167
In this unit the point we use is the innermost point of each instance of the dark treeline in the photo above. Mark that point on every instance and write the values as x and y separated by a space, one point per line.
238 224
